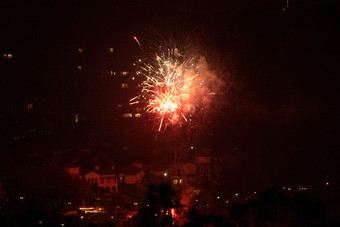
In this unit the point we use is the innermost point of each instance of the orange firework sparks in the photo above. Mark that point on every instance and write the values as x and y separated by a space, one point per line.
168 86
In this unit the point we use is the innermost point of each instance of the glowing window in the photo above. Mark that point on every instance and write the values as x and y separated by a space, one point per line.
8 56
138 115
110 73
127 115
79 67
80 50
180 181
175 181
123 73
76 118
124 85
110 50
29 106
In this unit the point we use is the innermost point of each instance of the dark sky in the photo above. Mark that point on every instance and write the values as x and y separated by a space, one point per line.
280 123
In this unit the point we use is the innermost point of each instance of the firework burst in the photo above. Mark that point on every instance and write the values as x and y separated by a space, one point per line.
171 83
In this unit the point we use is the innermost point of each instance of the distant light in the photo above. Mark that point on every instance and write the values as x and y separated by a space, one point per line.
81 217
218 197
127 115
76 118
62 224
327 183
80 50
156 215
192 147
255 193
29 106
135 204
79 67
40 222
226 201
289 189
165 174
21 197
236 194
110 50
8 56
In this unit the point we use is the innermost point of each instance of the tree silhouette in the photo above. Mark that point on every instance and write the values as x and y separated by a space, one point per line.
274 208
155 210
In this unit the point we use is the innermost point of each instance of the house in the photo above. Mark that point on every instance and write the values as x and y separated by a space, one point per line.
110 178
131 175
103 178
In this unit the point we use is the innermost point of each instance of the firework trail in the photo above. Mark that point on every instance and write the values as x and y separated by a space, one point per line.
135 38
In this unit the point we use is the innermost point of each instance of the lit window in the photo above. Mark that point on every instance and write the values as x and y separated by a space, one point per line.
127 115
111 50
175 181
29 106
111 73
180 181
124 85
8 56
123 73
80 50
138 115
76 118
79 67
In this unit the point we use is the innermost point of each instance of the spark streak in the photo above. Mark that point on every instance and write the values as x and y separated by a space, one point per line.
135 37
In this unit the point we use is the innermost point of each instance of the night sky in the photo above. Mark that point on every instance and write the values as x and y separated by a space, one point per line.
277 122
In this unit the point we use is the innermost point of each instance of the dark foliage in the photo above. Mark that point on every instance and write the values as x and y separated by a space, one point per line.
274 208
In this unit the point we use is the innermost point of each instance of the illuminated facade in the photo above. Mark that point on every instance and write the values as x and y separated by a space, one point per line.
103 180
110 179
